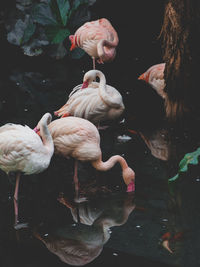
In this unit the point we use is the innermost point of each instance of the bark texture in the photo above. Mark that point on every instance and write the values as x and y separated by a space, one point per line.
181 51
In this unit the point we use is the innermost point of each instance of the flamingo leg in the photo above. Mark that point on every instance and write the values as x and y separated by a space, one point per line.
102 127
99 127
78 198
76 183
16 196
93 63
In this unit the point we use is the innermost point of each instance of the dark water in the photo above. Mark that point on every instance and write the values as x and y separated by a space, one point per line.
112 226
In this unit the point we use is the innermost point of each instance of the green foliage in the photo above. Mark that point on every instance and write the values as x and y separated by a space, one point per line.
54 15
56 34
42 14
51 22
189 158
28 32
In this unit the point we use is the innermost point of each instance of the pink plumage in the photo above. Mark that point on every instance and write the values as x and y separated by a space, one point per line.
23 151
98 39
97 102
155 77
80 139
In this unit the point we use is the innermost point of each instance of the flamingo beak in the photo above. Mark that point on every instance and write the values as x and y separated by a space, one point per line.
36 130
131 187
73 46
141 77
85 85
66 115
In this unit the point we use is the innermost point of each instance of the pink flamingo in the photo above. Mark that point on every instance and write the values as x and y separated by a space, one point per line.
80 139
155 77
23 151
97 102
98 39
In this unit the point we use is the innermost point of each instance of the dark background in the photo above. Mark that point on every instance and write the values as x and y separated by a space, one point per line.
31 86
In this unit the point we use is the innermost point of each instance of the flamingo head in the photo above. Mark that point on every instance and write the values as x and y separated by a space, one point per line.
73 42
144 77
45 120
155 71
36 129
85 84
129 179
89 77
107 55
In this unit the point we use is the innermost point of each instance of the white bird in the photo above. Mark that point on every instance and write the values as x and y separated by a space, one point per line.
79 138
94 101
155 77
23 151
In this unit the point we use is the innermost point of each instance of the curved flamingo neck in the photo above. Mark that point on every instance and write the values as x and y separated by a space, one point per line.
127 173
106 54
103 91
107 165
45 133
110 45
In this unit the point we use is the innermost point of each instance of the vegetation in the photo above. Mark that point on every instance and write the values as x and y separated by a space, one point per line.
189 158
47 23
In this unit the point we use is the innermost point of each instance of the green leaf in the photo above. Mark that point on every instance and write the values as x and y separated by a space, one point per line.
42 14
189 158
76 4
56 35
60 9
55 11
28 32
174 178
64 7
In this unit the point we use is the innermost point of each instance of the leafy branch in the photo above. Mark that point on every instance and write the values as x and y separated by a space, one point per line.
189 158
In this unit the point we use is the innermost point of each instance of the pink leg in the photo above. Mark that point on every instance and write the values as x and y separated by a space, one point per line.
99 127
77 198
76 179
16 196
102 127
93 63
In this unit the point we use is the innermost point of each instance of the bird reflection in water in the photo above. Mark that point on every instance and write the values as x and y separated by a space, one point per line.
83 241
168 143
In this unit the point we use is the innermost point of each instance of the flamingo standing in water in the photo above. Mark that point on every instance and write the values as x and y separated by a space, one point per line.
80 139
23 151
97 102
98 39
155 77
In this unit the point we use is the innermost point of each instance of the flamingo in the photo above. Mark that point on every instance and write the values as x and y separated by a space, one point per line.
23 151
155 77
80 244
79 138
98 39
97 102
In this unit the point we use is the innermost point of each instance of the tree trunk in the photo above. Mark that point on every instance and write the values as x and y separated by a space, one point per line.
181 51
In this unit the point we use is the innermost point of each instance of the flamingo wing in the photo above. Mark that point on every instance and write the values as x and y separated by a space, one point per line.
17 145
